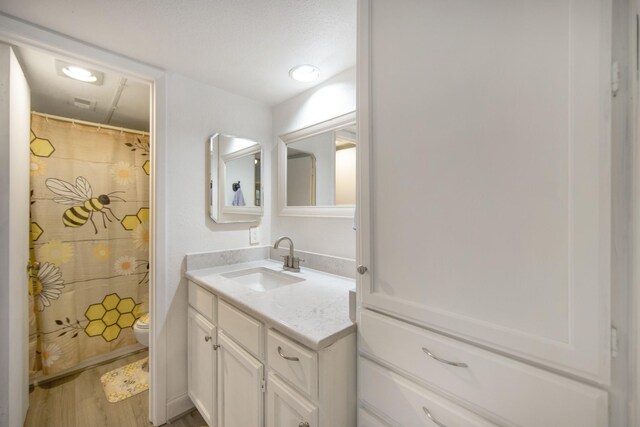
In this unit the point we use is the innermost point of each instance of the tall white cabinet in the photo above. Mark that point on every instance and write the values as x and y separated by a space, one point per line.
485 165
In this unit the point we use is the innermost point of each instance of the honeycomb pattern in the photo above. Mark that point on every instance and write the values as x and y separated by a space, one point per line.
146 167
36 231
130 222
109 317
143 214
41 147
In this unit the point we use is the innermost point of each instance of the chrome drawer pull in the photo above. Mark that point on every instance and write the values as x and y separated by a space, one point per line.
295 359
433 356
436 422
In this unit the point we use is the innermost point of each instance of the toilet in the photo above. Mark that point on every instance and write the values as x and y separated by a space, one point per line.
141 329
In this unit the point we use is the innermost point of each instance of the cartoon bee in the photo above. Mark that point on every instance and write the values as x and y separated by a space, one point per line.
85 205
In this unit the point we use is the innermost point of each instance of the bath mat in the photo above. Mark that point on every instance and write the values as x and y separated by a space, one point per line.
127 381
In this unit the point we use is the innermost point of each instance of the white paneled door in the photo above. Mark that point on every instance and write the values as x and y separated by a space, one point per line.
240 386
485 164
287 407
202 365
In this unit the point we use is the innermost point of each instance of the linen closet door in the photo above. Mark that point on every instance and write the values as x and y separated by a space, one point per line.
485 161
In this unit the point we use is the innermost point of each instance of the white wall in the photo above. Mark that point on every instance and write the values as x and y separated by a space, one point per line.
335 97
194 112
14 239
346 176
300 181
323 147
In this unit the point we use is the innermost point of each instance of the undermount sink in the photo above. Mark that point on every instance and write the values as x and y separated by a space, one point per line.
262 279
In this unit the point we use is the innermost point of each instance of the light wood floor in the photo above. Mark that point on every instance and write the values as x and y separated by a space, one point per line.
78 401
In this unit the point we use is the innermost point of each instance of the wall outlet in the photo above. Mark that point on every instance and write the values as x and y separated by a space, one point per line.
253 235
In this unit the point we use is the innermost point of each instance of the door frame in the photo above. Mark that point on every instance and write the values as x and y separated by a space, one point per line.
634 226
23 34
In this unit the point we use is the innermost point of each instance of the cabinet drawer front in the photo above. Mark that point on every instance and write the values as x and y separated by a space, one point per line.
404 403
244 329
509 391
303 372
203 301
288 408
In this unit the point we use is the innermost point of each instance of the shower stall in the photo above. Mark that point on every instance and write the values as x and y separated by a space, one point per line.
89 278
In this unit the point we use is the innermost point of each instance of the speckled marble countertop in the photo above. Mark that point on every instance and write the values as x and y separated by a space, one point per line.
314 312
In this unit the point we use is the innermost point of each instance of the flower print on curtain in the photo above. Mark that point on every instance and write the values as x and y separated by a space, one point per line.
90 213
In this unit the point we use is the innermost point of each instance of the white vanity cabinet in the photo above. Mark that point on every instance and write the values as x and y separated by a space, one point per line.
288 408
240 385
202 356
485 204
249 374
202 365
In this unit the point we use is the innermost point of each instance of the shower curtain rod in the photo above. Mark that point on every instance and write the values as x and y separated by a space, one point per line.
97 125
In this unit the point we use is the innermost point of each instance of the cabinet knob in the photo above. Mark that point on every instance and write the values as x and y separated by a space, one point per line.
207 338
303 424
216 346
362 269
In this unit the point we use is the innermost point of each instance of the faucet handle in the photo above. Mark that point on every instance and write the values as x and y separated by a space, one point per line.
295 262
286 261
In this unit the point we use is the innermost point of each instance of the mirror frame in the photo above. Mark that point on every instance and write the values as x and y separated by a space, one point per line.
218 211
342 211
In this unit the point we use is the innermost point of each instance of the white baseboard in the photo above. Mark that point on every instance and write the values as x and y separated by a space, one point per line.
178 406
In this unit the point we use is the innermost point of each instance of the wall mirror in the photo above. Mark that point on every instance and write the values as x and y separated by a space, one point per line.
236 178
317 169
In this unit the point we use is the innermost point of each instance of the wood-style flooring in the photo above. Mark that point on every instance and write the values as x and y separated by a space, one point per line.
78 401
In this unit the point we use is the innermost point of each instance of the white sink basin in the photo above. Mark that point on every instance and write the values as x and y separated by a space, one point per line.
262 279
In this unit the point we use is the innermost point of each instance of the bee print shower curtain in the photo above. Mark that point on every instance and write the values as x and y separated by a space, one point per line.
90 236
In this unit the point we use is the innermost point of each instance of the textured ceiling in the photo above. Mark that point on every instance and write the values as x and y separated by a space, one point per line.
243 46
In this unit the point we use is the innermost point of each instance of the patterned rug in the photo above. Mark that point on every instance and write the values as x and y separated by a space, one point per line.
127 381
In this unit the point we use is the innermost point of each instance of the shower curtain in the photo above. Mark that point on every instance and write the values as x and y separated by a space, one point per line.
90 234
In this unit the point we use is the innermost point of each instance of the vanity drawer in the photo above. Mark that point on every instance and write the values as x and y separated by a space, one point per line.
203 301
244 329
404 403
294 363
512 392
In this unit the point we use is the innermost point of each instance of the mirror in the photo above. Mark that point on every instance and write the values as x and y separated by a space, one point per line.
318 169
235 183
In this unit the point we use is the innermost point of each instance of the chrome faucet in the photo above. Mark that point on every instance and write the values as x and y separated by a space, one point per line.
291 262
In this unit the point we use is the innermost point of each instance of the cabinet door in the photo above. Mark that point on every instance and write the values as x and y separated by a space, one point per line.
287 407
367 419
486 191
240 386
202 365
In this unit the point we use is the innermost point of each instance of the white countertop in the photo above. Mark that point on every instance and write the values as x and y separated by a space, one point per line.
314 312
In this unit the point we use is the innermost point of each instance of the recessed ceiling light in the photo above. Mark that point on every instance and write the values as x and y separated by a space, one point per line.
79 73
304 73
76 72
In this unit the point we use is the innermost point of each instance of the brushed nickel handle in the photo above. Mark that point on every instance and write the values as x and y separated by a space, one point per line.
295 359
207 339
433 356
303 424
362 269
436 422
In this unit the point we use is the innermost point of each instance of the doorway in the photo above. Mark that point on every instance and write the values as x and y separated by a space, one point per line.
22 35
